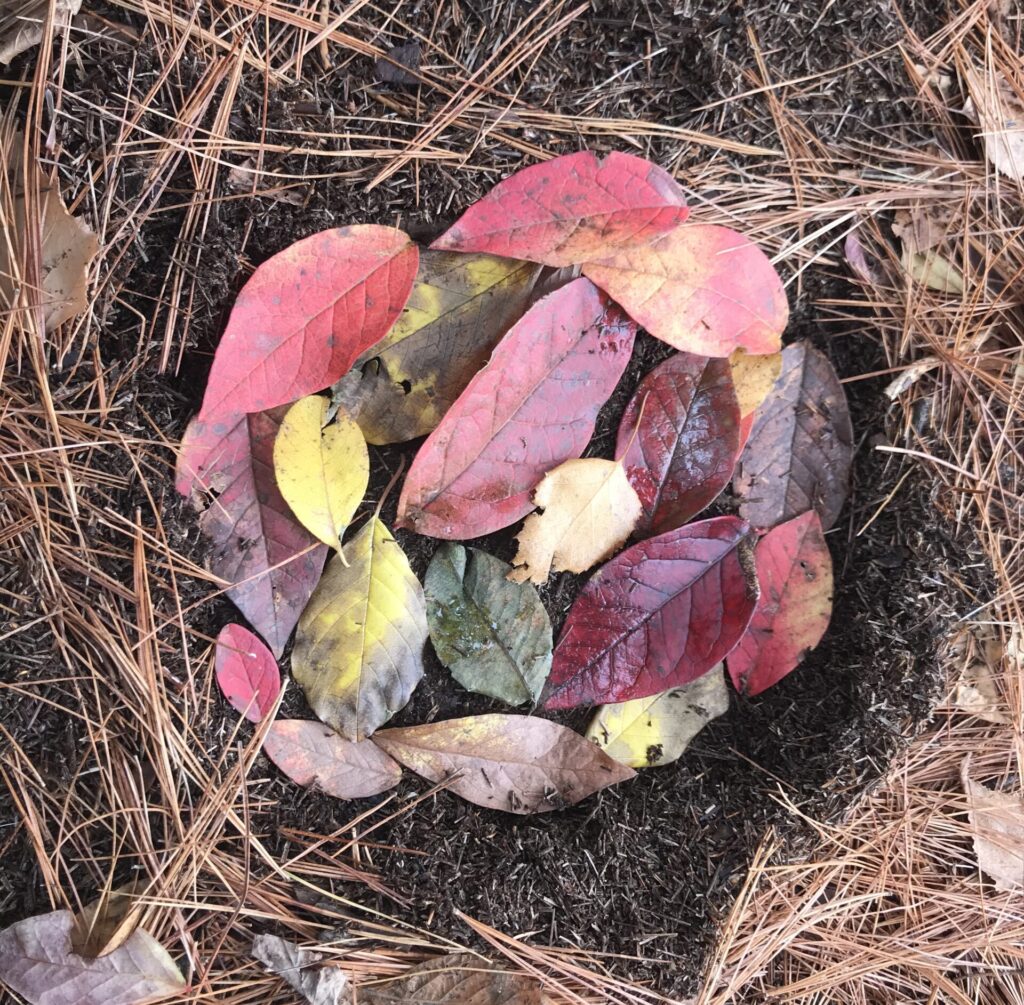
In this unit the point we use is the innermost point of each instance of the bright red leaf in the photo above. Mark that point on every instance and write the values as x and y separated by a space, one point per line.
703 289
685 448
247 672
531 408
272 561
306 314
571 209
659 615
794 570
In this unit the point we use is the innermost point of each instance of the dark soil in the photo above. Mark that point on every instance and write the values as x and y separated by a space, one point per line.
651 867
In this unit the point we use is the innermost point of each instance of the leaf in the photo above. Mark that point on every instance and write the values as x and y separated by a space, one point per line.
301 970
654 731
589 510
306 314
401 65
571 209
359 649
515 763
22 24
460 307
997 824
934 271
108 922
494 636
247 673
995 106
533 406
794 571
456 979
702 289
683 452
800 450
658 616
753 378
271 560
36 962
310 753
321 472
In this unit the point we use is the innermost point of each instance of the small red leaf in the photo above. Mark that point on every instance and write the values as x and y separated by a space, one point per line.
272 561
531 408
794 571
571 209
306 314
247 672
659 615
684 451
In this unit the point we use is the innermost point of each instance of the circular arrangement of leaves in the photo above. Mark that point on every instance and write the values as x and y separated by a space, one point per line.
500 343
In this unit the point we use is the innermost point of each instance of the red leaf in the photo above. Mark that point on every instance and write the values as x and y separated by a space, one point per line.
531 408
659 615
705 290
800 450
272 561
572 209
247 672
794 570
306 314
684 451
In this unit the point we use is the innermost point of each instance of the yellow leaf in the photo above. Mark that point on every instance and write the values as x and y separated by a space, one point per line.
934 271
322 473
753 377
589 510
359 647
647 732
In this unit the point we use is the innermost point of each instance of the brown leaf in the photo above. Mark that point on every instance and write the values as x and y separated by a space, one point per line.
299 969
997 821
108 922
22 23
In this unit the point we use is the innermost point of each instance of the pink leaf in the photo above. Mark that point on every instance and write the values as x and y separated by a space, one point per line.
247 672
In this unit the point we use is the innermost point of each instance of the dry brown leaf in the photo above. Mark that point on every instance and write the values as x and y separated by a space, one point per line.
22 23
995 106
589 510
108 922
997 820
301 969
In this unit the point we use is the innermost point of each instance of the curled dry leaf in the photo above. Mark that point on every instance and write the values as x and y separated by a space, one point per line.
653 731
460 306
658 616
306 315
702 289
571 209
794 571
247 672
108 922
310 753
678 439
589 509
321 472
302 970
531 408
494 635
38 963
516 763
800 450
270 560
358 652
997 823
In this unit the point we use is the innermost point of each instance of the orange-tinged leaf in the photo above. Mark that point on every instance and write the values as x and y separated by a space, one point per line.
705 290
305 316
108 922
516 763
247 672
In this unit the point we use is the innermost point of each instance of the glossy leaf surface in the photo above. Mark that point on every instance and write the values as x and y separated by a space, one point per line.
247 672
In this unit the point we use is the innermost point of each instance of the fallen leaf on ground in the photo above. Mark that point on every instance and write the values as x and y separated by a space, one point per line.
306 315
654 731
303 971
753 378
800 450
272 561
934 271
358 651
678 439
865 268
460 306
531 408
658 616
247 672
37 962
108 922
977 694
22 23
310 753
570 209
516 763
997 823
589 509
321 472
702 289
794 571
494 635
997 109
401 65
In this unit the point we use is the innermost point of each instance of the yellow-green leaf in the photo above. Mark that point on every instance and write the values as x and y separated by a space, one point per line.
321 472
359 647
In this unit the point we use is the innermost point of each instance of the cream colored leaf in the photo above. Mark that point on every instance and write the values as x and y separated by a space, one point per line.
589 510
933 271
22 23
108 922
303 970
997 109
997 823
